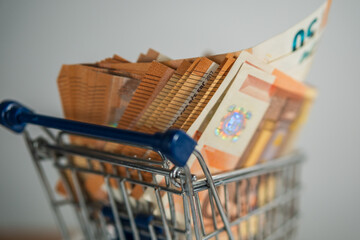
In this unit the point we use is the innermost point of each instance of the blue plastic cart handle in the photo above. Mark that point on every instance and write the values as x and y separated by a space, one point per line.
176 145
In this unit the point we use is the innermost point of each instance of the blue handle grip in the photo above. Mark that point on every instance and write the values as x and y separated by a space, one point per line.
176 145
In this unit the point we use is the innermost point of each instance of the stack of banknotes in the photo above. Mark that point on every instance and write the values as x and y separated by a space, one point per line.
243 108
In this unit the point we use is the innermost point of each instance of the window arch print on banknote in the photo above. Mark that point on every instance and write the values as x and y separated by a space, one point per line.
301 33
232 124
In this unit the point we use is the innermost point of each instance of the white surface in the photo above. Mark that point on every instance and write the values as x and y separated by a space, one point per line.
36 37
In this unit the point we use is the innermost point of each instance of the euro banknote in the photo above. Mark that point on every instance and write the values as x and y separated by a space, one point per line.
293 50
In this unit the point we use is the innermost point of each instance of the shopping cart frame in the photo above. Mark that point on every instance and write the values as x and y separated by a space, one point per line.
173 168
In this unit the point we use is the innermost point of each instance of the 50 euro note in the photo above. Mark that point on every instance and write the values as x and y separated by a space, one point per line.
293 50
282 90
155 108
287 98
294 128
92 95
99 94
187 90
236 119
228 133
194 110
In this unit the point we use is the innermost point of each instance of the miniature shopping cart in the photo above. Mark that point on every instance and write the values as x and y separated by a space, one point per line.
259 202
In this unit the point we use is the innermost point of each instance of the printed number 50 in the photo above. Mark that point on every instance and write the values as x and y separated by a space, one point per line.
301 34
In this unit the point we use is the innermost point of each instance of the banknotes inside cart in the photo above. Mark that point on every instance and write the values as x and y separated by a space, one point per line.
163 148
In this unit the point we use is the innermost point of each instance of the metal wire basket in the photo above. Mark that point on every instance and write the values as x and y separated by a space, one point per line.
259 202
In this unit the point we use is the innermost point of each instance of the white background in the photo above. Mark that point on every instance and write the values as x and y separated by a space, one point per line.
36 37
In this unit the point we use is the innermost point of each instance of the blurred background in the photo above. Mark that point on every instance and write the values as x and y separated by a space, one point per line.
37 37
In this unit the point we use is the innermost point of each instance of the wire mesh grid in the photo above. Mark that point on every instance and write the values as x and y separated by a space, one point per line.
148 199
